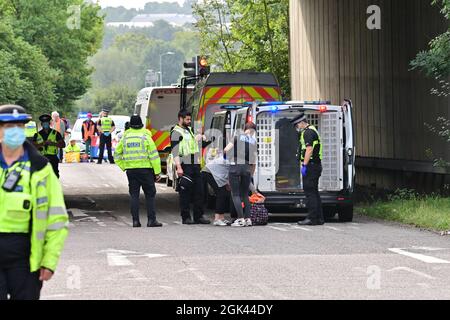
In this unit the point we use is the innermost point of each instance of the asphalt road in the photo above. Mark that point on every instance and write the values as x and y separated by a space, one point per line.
104 258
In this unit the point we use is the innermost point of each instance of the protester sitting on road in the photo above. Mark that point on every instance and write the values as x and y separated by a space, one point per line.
72 147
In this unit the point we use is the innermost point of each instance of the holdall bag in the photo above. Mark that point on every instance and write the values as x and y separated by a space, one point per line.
259 214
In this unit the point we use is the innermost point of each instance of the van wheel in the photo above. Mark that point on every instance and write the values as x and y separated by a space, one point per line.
345 213
329 213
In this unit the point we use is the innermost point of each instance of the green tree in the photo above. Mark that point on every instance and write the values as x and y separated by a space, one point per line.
45 24
25 75
118 98
241 35
435 62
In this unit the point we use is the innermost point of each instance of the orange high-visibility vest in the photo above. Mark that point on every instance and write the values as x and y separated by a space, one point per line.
88 133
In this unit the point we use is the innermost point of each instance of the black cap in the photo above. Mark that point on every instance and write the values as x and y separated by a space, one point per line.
45 118
10 113
136 122
298 119
105 110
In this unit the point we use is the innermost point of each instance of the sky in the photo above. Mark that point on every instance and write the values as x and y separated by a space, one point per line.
139 4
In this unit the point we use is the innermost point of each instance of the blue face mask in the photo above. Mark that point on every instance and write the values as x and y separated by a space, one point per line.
46 125
14 137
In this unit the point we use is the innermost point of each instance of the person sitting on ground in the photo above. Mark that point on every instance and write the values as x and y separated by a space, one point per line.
72 147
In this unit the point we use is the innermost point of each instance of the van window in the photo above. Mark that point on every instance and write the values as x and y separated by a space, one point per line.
137 109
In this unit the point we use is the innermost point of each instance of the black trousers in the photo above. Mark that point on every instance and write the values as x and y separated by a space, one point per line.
222 194
240 178
54 161
144 178
311 188
16 280
194 194
105 140
20 284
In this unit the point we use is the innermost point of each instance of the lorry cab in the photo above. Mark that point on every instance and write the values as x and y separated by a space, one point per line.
278 175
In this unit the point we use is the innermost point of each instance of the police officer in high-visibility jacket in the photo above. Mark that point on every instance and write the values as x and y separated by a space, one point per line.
187 157
33 217
30 130
311 168
137 154
106 127
48 141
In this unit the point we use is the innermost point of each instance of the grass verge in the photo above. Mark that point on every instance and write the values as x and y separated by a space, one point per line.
430 212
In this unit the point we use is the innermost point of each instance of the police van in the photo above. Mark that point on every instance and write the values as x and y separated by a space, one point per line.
278 175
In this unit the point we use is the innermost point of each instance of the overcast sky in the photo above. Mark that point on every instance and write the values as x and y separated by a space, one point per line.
139 4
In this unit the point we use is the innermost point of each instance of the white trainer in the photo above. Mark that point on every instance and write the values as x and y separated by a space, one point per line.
239 223
248 222
220 223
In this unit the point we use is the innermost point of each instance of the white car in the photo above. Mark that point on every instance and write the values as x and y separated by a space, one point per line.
119 122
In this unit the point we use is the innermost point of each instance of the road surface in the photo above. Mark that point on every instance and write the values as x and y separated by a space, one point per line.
104 258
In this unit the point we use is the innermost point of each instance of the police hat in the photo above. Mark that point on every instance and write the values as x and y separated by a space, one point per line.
136 122
298 119
45 118
13 114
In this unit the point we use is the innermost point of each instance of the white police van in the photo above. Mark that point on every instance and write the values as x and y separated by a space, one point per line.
278 175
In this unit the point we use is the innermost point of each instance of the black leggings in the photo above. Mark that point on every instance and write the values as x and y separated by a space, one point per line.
240 177
222 194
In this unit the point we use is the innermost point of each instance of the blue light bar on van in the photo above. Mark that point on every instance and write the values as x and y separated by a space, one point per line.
231 107
317 102
274 108
272 103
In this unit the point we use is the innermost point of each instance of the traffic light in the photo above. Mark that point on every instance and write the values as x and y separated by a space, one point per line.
191 68
197 68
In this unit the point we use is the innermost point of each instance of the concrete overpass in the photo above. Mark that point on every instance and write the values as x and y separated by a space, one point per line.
334 55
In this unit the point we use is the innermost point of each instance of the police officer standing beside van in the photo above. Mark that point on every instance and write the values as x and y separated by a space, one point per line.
33 217
137 154
310 152
187 156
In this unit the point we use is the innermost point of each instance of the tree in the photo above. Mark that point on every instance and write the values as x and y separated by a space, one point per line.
243 34
26 77
436 61
118 99
44 24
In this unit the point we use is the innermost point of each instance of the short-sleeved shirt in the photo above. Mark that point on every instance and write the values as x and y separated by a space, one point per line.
310 136
244 150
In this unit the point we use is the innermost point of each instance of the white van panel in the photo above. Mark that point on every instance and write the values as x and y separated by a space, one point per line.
274 145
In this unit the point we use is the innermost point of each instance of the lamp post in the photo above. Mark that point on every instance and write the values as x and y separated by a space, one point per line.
160 65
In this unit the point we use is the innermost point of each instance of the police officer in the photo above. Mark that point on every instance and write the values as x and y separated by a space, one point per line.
186 154
33 217
30 130
137 154
311 168
106 127
48 141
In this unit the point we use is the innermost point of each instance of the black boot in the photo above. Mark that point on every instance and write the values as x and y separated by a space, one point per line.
136 224
154 224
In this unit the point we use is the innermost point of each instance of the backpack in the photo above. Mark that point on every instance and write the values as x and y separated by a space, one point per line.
259 214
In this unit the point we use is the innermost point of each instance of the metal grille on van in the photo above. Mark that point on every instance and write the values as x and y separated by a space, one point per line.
330 128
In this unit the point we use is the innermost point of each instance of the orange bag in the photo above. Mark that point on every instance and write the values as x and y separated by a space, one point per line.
257 198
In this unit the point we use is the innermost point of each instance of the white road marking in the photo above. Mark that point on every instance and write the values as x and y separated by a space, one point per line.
418 256
333 228
77 212
284 224
301 228
177 222
198 274
119 258
276 228
421 274
427 248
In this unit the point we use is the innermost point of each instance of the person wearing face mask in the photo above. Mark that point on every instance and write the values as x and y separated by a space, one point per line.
310 152
33 217
48 141
242 155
